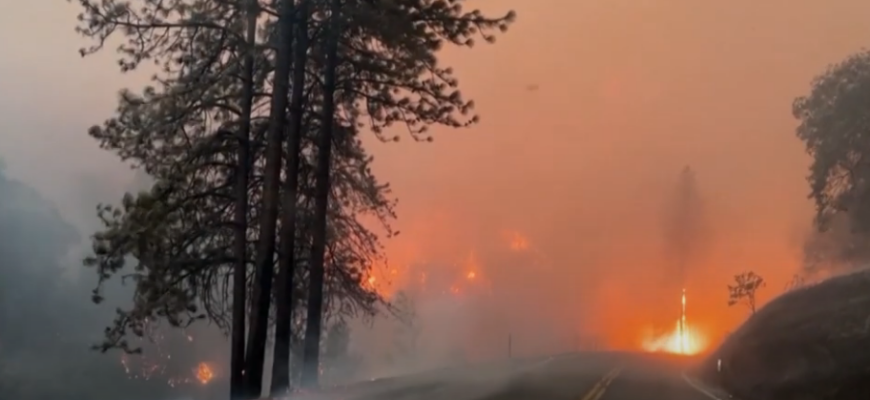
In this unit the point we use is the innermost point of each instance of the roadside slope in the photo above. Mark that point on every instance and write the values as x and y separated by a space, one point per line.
809 343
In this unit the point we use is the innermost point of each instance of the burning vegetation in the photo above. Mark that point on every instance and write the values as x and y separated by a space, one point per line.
485 278
685 242
154 360
236 189
204 373
681 340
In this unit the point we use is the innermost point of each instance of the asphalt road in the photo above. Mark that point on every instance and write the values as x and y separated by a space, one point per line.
584 376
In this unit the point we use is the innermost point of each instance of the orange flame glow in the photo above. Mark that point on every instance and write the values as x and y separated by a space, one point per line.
204 373
682 340
516 241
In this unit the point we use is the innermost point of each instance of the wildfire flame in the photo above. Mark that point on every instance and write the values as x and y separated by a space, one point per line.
155 364
204 374
682 340
516 241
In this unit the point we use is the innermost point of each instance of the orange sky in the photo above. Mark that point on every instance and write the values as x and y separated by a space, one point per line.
628 92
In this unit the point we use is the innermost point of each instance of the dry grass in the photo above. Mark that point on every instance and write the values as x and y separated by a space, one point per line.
809 343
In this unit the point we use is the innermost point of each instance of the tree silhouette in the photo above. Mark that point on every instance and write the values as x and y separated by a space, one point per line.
339 363
833 125
746 284
351 67
407 332
797 281
685 232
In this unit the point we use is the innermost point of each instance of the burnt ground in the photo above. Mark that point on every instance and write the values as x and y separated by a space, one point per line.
809 343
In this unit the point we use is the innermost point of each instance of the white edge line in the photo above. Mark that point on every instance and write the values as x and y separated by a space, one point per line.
699 388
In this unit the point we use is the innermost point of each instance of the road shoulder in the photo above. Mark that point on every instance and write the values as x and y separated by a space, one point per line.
707 390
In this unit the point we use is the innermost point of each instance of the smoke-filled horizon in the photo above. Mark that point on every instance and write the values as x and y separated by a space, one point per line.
685 232
558 201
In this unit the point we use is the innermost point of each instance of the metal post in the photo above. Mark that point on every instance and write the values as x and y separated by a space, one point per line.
684 335
510 345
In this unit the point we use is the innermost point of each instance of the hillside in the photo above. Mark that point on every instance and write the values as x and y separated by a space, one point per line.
809 343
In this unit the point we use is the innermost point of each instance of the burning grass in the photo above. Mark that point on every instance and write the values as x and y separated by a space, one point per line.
809 343
681 340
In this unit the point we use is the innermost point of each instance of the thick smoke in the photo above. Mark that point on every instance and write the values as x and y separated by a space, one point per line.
483 305
686 231
836 249
581 166
48 323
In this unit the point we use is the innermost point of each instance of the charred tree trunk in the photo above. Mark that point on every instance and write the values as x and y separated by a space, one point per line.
262 291
240 219
313 326
286 255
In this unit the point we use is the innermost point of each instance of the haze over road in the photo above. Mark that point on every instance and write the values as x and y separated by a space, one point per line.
585 376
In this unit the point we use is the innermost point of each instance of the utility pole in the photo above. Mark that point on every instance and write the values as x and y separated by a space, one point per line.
684 336
510 345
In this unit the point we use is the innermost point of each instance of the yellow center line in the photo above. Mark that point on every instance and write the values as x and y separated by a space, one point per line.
599 388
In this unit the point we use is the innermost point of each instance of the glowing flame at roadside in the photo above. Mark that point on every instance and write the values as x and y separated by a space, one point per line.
204 374
157 363
682 340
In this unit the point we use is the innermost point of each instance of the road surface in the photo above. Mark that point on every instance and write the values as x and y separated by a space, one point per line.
584 376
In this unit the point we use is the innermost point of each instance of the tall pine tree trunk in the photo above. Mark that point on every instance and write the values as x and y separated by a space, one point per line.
262 291
313 326
237 351
287 257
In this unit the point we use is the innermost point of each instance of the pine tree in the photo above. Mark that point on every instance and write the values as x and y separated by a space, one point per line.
240 213
287 237
180 231
262 294
685 228
382 56
381 64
